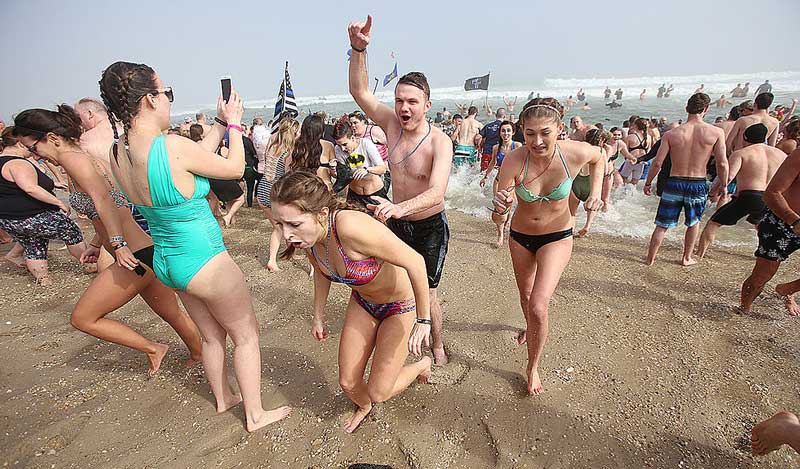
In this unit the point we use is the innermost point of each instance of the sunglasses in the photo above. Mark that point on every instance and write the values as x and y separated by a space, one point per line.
167 92
32 148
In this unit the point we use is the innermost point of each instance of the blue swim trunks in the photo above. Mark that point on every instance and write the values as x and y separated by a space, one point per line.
689 194
464 154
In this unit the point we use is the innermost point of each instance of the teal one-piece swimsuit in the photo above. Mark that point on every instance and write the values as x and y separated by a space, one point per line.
185 233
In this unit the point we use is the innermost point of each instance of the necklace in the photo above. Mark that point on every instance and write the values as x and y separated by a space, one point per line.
408 155
528 161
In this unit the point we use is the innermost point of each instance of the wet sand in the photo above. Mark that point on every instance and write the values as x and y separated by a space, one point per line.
645 367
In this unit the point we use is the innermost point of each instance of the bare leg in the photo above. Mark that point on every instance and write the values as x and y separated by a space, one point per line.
388 376
655 244
787 291
589 220
499 222
763 272
274 241
220 285
707 238
111 289
105 260
355 346
437 315
233 207
689 241
163 302
16 255
605 195
781 429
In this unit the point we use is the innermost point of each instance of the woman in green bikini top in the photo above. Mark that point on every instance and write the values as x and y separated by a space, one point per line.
541 226
166 178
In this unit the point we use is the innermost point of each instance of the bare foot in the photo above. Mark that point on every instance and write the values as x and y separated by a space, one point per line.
272 266
773 433
581 233
688 262
534 383
17 261
192 362
522 337
788 299
225 404
44 281
227 219
355 420
425 374
649 262
156 357
440 356
268 417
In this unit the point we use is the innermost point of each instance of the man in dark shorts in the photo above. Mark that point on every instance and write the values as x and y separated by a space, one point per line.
490 136
778 235
420 160
753 167
690 147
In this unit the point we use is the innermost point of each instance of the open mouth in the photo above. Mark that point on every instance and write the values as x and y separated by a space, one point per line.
405 118
297 244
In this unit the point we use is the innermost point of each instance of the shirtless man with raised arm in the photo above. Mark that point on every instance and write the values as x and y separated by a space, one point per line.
420 158
690 146
760 115
778 234
753 167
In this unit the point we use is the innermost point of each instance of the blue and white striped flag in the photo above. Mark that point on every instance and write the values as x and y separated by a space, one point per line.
285 105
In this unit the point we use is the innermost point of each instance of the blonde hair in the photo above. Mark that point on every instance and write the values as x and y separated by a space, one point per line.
283 141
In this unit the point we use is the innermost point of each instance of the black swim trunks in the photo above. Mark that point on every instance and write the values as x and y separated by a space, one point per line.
745 203
363 200
776 240
429 237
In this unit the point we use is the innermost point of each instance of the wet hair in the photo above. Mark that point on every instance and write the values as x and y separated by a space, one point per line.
417 80
641 125
697 103
756 133
764 100
599 125
122 87
733 114
342 129
626 125
7 138
472 111
37 123
596 137
548 108
792 129
307 192
307 148
283 141
196 132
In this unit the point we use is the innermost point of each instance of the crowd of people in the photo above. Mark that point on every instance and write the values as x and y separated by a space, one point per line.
363 198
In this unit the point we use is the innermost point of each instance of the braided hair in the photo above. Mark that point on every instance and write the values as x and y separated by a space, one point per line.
122 86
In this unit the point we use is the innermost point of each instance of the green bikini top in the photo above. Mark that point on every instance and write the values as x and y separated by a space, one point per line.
559 193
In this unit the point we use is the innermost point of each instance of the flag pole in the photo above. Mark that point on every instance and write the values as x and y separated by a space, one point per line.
375 88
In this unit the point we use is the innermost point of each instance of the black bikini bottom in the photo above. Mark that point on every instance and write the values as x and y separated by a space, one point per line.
533 242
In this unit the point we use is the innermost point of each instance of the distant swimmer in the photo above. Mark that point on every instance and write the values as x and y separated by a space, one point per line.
586 107
737 92
643 93
746 89
702 89
618 94
569 103
581 95
763 88
579 128
614 104
753 167
690 147
778 234
761 115
638 143
669 90
781 429
465 137
607 93
722 102
661 90
510 104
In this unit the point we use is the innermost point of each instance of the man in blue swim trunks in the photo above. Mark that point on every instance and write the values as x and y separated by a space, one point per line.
690 147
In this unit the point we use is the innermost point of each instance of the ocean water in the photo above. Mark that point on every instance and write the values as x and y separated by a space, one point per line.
631 213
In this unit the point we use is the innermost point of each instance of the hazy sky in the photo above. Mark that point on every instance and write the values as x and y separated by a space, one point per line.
56 50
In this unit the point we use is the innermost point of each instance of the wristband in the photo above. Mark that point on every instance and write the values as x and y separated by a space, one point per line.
120 245
220 122
423 321
235 127
116 239
357 49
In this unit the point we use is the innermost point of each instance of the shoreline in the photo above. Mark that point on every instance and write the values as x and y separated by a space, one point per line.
644 367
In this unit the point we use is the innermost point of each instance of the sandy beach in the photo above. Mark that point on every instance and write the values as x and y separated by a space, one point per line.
645 367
